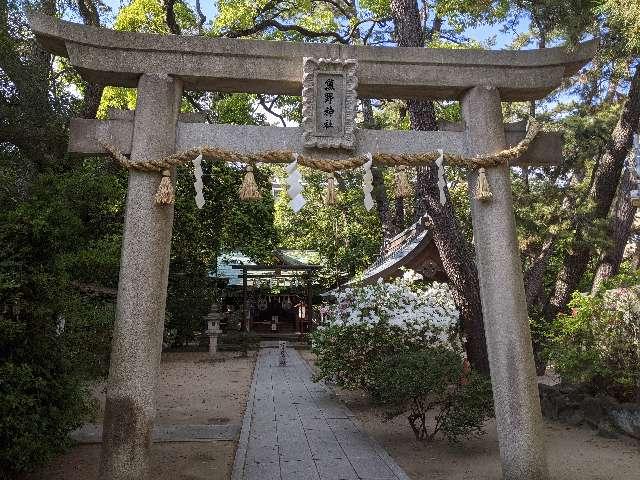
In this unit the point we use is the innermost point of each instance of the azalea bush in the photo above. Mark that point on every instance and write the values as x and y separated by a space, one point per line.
399 342
598 344
369 323
434 380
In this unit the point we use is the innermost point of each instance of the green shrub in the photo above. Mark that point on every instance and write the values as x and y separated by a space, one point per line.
346 354
190 294
433 379
598 344
86 339
41 397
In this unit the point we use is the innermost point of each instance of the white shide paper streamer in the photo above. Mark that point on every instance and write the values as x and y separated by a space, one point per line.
197 172
367 183
294 182
441 181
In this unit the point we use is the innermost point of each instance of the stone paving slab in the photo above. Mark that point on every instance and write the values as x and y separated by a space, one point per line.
92 433
295 429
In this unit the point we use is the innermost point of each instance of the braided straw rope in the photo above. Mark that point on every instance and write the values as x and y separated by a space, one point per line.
163 165
328 166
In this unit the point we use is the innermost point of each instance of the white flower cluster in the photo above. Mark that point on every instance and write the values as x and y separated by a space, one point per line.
400 303
624 300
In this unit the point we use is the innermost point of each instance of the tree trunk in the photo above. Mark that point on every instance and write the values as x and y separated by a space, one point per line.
399 221
534 276
379 189
406 19
455 252
92 98
635 256
603 190
170 17
93 94
620 223
382 203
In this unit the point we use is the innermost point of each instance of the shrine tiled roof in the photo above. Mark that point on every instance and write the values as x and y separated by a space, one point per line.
294 258
396 253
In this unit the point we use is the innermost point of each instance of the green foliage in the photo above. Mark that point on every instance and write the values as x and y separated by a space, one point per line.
346 235
379 8
86 337
223 224
43 368
624 18
347 354
144 16
61 234
116 97
396 342
392 115
41 400
61 222
433 379
598 344
148 16
237 109
240 15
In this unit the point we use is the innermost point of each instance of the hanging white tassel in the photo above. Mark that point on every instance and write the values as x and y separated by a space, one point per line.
403 189
165 194
331 196
483 190
441 181
198 185
249 189
294 182
367 183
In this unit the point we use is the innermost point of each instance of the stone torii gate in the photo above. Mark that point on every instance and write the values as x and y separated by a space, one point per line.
162 66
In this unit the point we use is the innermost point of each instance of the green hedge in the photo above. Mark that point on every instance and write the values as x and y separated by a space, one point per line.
41 397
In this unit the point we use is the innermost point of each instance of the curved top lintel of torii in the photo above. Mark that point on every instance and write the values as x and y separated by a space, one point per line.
258 66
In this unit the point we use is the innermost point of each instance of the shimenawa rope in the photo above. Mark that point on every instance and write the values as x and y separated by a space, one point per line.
248 190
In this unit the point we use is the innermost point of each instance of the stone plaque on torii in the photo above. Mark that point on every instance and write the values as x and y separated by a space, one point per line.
161 67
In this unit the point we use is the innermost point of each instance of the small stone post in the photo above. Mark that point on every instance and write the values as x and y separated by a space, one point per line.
213 329
142 290
506 323
282 347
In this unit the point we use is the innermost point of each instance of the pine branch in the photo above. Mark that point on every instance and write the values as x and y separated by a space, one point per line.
272 23
170 17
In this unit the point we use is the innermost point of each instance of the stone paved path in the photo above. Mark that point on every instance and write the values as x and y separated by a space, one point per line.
295 429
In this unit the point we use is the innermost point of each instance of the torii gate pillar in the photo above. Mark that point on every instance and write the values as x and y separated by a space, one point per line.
504 307
142 289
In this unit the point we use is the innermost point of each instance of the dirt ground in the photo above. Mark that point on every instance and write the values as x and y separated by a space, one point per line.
191 390
574 453
195 391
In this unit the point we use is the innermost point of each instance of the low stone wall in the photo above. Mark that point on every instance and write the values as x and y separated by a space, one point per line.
576 406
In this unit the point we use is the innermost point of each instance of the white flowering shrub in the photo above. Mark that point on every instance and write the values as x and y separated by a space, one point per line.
399 342
369 323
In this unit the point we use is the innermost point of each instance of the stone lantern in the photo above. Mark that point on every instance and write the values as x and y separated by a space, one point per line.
213 329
